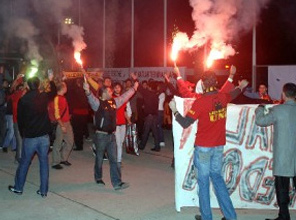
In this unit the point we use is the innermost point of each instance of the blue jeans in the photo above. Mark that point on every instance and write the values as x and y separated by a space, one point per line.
19 141
208 164
107 142
9 137
31 146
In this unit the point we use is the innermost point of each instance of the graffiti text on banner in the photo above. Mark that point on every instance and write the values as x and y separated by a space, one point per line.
247 165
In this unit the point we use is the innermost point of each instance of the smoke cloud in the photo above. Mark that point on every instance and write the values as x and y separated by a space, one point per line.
219 22
76 34
25 30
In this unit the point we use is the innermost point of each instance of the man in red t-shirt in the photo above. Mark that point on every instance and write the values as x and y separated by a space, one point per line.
210 110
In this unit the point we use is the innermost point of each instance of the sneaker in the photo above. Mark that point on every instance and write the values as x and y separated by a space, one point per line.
41 194
57 167
105 157
121 186
12 189
155 149
162 144
66 163
88 139
197 217
100 182
4 150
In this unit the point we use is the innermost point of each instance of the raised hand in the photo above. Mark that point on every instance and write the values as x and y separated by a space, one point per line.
173 106
243 84
134 76
166 76
136 85
86 87
177 71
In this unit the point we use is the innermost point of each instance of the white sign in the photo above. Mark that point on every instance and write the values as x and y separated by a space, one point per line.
277 77
247 166
143 73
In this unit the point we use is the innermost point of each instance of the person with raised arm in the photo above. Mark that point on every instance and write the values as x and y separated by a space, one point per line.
105 116
211 110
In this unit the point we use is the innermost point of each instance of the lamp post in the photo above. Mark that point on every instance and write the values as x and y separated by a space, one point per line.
104 34
165 4
132 33
254 70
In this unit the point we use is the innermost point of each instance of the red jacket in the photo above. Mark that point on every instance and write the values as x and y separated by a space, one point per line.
61 109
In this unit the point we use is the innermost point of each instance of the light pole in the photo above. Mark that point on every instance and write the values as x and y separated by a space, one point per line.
104 34
254 70
165 34
132 33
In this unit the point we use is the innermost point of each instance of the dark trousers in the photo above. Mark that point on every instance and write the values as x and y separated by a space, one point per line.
282 185
2 125
107 142
150 124
79 124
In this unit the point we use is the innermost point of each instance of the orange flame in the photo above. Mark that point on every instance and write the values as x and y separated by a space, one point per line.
179 42
77 56
214 55
175 50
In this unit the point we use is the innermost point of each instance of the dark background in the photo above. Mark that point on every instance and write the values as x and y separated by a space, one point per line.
276 34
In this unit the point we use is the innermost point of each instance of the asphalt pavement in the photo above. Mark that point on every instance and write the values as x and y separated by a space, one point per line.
73 194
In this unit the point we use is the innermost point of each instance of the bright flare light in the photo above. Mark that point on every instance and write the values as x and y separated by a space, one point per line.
32 72
77 56
32 69
214 55
179 42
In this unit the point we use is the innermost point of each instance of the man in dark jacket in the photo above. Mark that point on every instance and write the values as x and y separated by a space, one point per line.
150 111
105 117
34 126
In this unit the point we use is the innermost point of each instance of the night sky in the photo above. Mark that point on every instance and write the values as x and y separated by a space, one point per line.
276 33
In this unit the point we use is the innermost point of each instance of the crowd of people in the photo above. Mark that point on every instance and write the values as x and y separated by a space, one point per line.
61 121
36 114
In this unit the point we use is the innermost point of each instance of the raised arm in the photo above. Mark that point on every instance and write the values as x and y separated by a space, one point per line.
241 86
120 100
228 85
91 82
92 100
182 88
169 85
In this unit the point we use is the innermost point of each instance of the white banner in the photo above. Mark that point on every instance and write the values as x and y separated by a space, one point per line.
144 73
277 77
247 166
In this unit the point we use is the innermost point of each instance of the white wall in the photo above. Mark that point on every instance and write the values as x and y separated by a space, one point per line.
277 77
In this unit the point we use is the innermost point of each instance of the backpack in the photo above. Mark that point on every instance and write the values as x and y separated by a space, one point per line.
106 116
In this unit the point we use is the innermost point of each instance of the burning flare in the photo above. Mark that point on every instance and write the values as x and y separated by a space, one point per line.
214 55
180 41
77 56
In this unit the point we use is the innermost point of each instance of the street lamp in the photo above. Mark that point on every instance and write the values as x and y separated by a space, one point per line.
68 21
